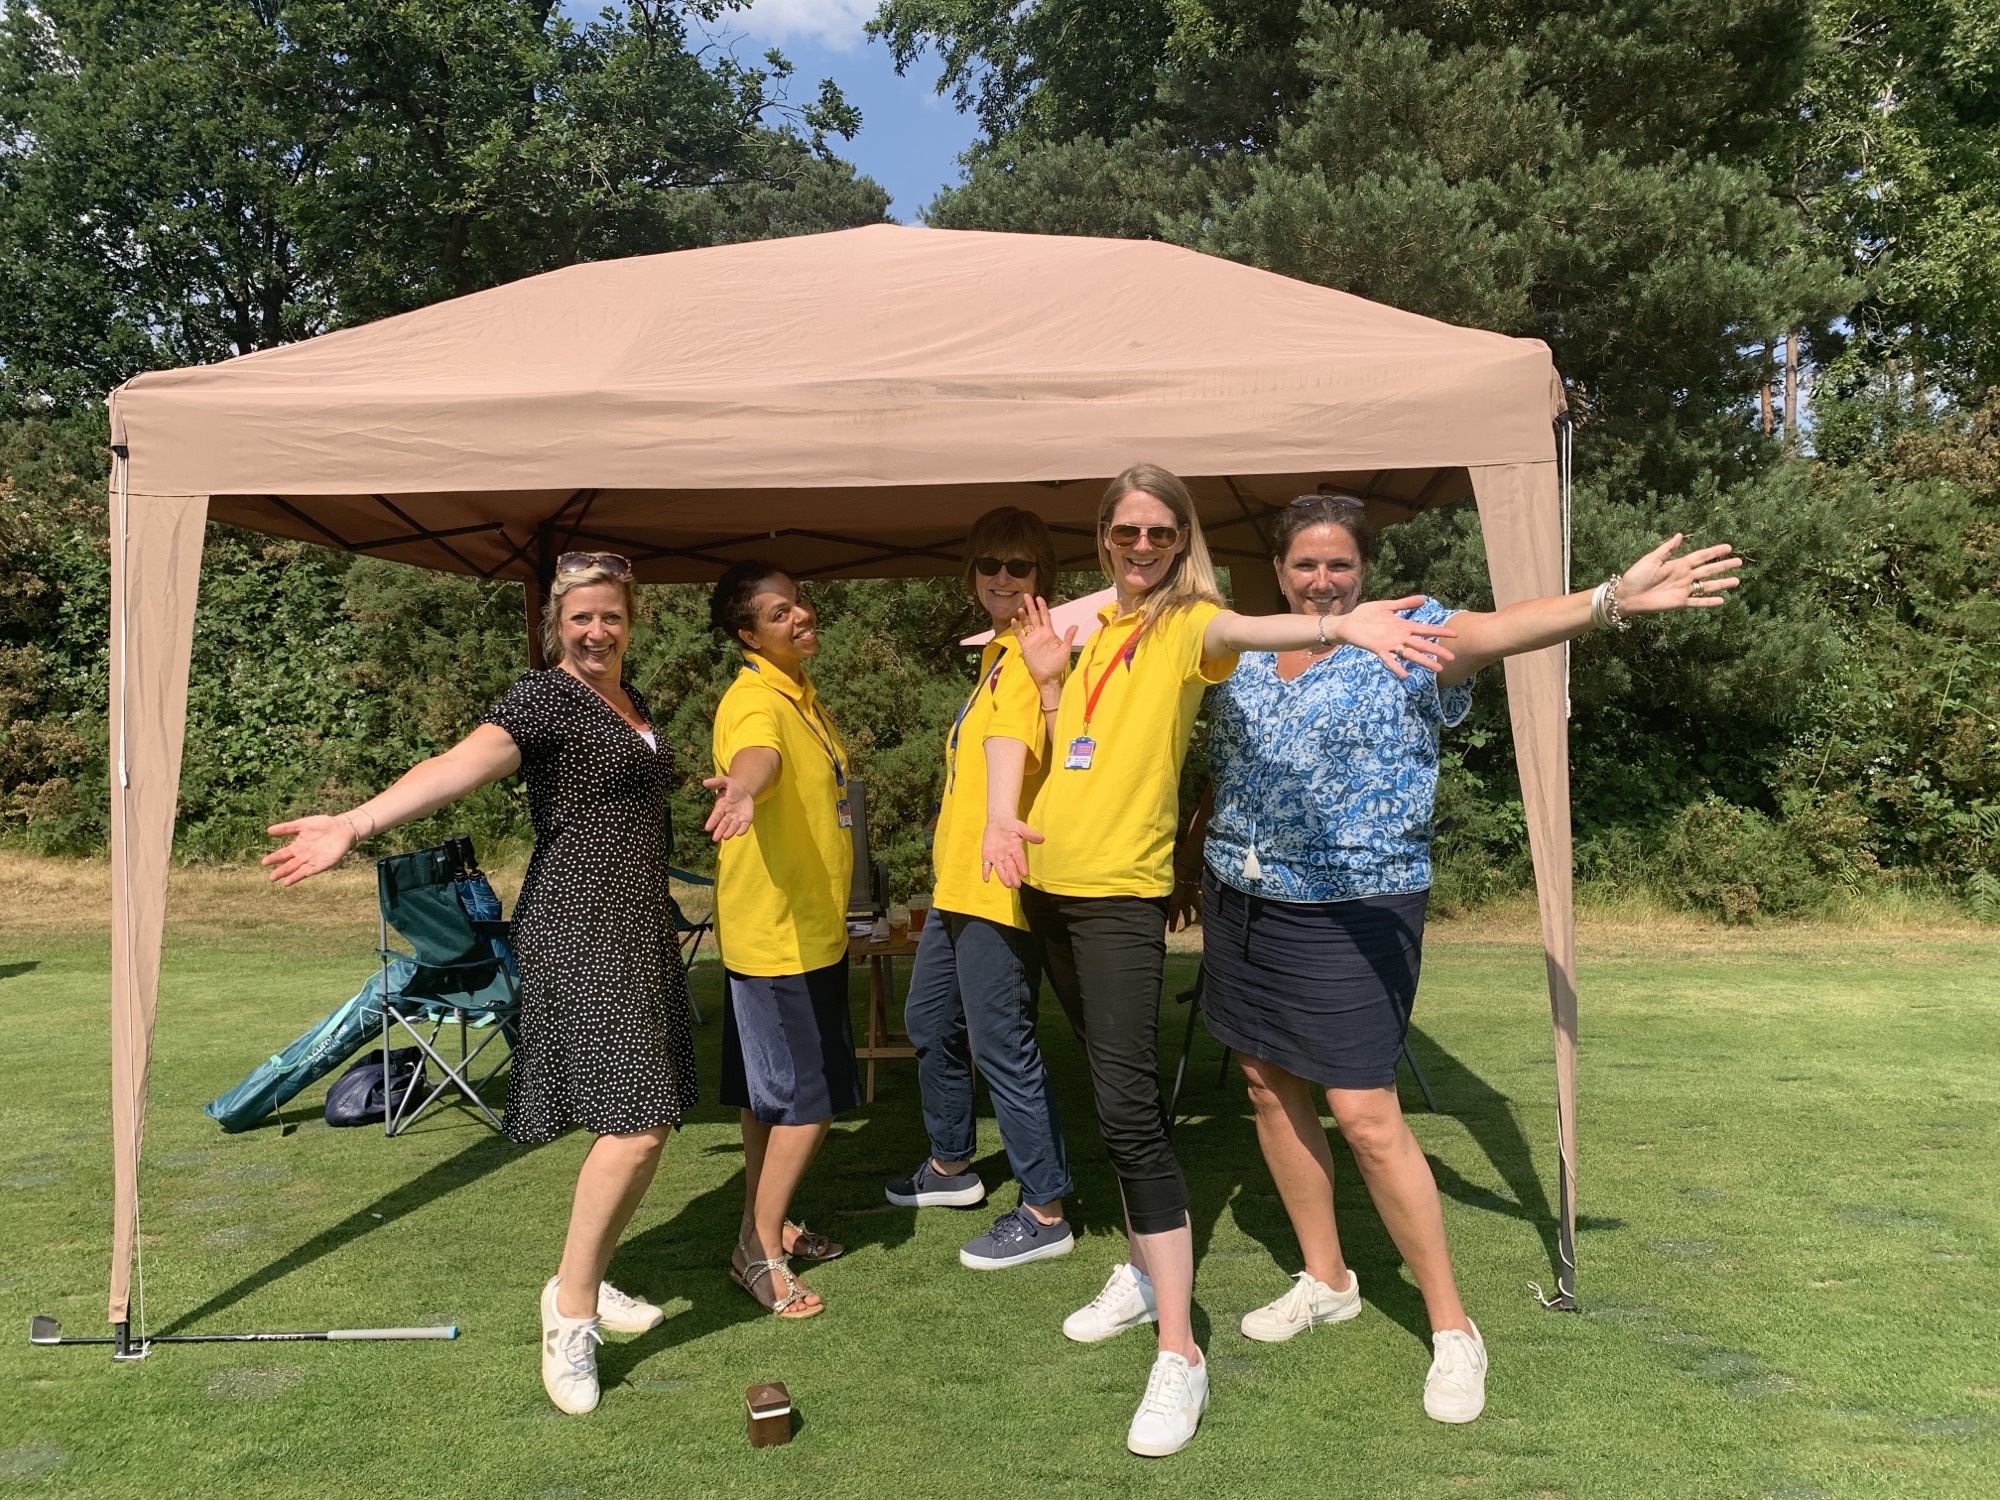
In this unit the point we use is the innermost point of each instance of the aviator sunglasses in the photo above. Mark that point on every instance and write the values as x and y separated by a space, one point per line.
1017 567
1124 534
583 562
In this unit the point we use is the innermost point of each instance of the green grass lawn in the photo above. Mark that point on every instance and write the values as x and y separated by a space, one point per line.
1790 1271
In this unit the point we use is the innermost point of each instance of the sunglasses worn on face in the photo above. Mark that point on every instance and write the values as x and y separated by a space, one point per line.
1017 567
583 562
1123 535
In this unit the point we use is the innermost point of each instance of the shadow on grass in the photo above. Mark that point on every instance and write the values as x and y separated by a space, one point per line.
485 1155
1223 1133
14 971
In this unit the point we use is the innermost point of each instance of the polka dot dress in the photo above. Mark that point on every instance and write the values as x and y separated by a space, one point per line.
605 1041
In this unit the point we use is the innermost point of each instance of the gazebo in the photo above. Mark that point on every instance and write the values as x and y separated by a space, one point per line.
844 404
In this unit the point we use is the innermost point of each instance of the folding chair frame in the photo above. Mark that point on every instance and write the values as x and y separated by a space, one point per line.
688 934
399 1113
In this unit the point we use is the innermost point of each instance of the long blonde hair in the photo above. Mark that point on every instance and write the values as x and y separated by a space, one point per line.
582 578
1191 579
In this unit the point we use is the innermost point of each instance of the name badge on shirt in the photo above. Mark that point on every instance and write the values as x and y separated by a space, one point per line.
1080 750
845 810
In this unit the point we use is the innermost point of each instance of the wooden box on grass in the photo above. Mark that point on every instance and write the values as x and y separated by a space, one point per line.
770 1414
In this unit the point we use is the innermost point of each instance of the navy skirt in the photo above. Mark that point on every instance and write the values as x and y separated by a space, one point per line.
788 1046
1322 989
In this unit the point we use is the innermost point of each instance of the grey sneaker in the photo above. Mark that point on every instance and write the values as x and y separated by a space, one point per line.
1126 1302
1310 1301
1015 1239
1455 1390
927 1187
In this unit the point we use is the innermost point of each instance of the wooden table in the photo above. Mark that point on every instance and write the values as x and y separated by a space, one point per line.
883 1044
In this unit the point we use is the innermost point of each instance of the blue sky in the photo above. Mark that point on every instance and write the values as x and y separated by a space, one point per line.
910 136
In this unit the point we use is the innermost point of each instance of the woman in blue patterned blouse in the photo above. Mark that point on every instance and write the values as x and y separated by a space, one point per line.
1312 902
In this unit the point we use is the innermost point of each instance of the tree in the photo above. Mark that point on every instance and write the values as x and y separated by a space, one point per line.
1893 163
1593 177
184 180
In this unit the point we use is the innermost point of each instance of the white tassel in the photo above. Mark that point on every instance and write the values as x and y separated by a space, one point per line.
1253 868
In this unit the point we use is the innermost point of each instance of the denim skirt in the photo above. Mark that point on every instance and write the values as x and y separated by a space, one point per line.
788 1046
1323 989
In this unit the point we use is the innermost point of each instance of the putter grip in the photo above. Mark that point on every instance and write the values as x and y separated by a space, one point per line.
449 1331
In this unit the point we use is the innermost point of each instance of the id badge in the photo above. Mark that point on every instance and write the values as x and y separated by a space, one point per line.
1080 750
846 811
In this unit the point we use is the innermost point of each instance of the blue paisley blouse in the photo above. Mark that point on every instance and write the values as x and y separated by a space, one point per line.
1329 777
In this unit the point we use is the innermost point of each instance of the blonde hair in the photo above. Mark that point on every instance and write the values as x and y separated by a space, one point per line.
1011 532
1191 579
583 578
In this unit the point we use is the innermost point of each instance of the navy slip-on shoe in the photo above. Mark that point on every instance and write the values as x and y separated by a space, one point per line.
1015 1239
927 1187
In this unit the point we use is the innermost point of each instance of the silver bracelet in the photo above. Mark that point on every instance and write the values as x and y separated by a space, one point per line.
349 821
1323 641
1604 605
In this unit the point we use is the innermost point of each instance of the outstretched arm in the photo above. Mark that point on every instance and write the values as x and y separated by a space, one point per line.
1375 627
1656 583
753 772
1003 846
318 841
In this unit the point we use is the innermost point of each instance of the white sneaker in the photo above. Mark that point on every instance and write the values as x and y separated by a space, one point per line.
1176 1396
569 1357
1455 1390
1126 1302
625 1314
1310 1301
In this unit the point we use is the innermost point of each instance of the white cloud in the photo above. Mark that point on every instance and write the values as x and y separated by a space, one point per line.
833 23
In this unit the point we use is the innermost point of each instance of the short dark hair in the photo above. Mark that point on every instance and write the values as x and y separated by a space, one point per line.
1308 511
729 602
1012 532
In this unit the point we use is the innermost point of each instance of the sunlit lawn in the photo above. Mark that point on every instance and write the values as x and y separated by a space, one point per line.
1790 1267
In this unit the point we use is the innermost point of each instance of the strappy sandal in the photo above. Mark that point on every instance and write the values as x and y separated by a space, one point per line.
810 1247
774 1268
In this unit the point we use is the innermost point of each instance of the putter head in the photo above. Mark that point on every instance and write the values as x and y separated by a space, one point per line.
43 1329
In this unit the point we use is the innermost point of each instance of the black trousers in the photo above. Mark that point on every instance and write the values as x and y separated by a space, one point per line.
1106 957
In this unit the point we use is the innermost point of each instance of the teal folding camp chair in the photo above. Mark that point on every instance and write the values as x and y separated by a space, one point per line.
688 932
459 973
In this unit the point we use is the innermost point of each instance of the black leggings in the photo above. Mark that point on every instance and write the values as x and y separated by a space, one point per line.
1105 956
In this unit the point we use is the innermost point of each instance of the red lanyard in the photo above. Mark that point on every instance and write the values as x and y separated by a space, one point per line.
1125 653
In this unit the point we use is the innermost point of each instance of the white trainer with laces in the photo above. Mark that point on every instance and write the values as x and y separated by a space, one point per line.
1126 1302
1176 1396
1310 1301
1455 1390
569 1357
623 1313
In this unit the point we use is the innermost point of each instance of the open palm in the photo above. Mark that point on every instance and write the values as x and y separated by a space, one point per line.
1660 581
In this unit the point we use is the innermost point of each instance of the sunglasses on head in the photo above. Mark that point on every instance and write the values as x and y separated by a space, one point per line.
583 562
1017 567
1338 502
1123 534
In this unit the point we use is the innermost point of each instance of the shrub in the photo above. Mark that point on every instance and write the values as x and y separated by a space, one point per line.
1737 864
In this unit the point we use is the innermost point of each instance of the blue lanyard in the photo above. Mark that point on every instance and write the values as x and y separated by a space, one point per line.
825 740
952 749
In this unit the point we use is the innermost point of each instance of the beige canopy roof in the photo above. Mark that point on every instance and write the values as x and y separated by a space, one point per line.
881 385
844 404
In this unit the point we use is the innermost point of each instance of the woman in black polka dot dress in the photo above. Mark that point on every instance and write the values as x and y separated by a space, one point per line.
604 1036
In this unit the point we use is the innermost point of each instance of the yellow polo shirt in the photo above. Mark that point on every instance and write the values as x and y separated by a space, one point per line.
1109 830
1004 704
781 889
